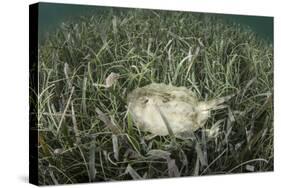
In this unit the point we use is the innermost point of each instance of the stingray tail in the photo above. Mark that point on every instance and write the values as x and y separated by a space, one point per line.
215 103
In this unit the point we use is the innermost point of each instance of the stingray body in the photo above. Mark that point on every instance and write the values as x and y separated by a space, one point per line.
156 108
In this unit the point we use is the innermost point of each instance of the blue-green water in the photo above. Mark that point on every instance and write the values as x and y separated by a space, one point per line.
51 15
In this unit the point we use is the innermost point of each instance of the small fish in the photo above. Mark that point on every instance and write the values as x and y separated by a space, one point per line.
110 80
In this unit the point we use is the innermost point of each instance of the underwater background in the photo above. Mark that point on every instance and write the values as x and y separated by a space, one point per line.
52 15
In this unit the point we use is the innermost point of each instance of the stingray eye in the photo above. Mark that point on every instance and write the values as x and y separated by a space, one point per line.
165 99
145 100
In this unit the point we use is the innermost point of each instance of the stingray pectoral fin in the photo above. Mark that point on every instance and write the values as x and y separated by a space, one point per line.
140 125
